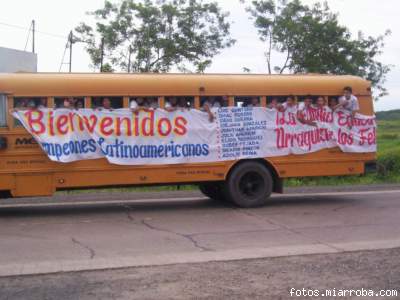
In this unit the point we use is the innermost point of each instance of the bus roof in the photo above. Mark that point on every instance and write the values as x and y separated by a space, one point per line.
118 84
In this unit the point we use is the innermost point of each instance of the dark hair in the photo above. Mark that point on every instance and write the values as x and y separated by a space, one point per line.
291 97
348 89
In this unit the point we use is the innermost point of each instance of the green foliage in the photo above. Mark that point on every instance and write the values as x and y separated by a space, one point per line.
315 42
156 35
388 115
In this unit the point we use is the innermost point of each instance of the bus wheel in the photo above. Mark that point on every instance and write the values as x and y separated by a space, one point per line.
213 190
249 185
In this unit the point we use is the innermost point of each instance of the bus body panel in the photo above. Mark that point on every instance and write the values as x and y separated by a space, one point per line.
26 171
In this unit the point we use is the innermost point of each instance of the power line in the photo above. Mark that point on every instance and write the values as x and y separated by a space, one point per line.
37 31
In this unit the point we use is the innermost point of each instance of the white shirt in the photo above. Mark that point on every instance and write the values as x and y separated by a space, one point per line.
216 104
289 108
133 105
168 104
351 104
301 106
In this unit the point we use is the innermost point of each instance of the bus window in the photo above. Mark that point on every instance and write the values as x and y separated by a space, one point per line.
107 102
24 103
248 101
172 102
143 102
3 110
69 102
214 101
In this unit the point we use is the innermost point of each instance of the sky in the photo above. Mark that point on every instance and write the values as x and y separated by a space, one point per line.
55 18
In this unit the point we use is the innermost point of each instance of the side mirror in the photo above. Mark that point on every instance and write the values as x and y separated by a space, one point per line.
3 142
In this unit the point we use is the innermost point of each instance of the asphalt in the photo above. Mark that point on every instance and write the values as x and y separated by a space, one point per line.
264 278
103 231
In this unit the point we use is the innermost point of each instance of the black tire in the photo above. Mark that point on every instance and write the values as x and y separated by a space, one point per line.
213 190
5 194
249 184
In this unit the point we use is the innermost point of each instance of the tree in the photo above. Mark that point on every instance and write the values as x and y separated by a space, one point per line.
156 35
313 41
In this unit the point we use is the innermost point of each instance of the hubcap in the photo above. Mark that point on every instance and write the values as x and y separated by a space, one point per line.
251 184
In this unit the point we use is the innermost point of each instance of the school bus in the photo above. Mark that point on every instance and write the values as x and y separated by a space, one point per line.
25 169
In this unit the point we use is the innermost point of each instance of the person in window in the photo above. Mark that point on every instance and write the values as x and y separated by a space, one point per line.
138 104
21 104
183 103
289 105
320 103
274 104
333 104
31 105
152 103
42 103
106 104
79 104
67 103
225 101
348 101
171 104
254 102
210 103
303 111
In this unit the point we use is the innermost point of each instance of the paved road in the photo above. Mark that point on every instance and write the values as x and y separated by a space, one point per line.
265 278
74 233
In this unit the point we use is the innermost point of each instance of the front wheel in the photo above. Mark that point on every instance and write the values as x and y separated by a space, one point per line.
249 184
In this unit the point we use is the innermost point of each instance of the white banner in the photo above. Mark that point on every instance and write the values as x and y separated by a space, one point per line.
161 137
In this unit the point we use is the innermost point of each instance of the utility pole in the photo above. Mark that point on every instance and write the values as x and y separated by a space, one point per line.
33 36
70 50
101 54
129 59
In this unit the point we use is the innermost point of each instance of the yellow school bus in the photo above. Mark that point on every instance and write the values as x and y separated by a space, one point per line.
25 169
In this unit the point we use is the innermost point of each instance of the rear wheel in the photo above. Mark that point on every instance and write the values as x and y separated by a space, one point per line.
249 185
213 190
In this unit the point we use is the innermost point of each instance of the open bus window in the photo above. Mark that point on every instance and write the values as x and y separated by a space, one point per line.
3 110
107 102
143 102
182 102
273 102
214 101
25 103
247 101
69 102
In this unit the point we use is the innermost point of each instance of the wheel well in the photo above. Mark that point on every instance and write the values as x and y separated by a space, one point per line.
277 181
5 194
